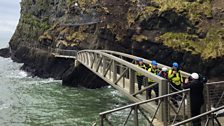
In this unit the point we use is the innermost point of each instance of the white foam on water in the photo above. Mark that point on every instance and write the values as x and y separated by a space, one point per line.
23 74
4 106
49 80
18 74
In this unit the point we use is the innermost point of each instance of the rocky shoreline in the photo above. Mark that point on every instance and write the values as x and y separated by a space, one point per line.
39 62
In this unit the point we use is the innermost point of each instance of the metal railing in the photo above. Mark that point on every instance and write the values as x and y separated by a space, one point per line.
132 58
121 74
215 94
210 118
63 52
134 110
118 70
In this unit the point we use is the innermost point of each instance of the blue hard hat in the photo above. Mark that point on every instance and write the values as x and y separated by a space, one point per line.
154 63
175 64
140 59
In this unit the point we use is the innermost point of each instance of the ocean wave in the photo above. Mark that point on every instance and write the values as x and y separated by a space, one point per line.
23 74
4 106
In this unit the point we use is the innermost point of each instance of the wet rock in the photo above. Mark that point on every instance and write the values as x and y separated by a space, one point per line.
5 52
80 75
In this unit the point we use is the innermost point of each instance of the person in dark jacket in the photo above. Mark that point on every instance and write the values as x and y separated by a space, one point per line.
196 96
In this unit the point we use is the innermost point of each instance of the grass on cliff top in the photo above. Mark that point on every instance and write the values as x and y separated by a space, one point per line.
193 10
210 47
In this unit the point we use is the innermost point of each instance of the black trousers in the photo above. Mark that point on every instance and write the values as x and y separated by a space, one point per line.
140 82
196 110
155 88
175 98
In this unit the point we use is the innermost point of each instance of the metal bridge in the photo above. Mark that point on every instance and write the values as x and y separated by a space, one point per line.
119 70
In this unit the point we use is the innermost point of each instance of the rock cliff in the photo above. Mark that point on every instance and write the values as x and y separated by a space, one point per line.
190 32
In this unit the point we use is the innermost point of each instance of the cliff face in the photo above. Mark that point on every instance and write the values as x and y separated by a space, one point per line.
190 32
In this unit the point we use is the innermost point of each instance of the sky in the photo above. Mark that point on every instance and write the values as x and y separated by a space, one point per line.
9 18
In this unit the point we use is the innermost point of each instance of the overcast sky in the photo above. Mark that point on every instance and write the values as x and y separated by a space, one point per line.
9 17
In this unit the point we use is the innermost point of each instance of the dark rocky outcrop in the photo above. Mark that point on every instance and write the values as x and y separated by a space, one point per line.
81 75
5 52
187 31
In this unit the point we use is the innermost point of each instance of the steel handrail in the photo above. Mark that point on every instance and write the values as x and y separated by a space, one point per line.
143 102
146 61
127 64
199 116
218 82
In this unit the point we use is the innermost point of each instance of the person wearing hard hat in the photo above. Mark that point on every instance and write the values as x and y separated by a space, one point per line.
196 95
139 75
163 73
174 76
175 80
155 70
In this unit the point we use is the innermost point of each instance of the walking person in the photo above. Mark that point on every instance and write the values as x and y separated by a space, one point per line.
196 96
175 80
140 77
155 70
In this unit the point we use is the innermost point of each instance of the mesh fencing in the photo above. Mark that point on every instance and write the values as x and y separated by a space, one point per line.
215 94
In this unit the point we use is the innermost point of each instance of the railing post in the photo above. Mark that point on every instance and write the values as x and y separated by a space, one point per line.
101 120
132 81
146 84
76 63
136 115
114 71
189 106
84 58
208 102
163 111
104 64
87 58
96 61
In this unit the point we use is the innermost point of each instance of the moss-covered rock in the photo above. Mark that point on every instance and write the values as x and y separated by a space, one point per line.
165 30
209 47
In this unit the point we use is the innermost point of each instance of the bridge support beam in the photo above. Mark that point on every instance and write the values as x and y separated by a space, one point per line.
114 71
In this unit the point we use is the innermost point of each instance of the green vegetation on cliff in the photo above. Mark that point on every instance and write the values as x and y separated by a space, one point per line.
179 24
193 10
211 46
35 22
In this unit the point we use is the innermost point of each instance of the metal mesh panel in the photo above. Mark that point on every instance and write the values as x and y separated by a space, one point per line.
215 94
